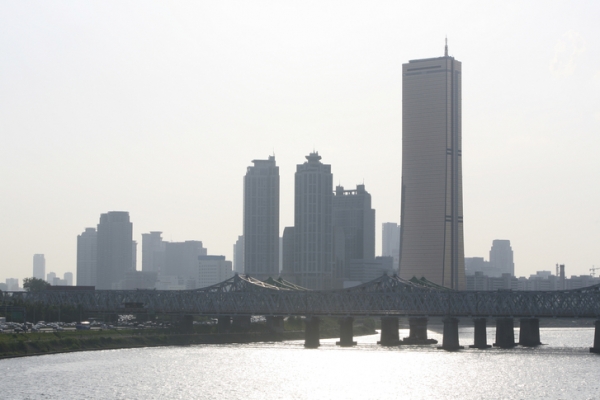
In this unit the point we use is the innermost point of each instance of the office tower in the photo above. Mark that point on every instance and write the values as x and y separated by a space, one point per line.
114 249
153 252
133 255
68 278
212 270
390 242
87 257
287 253
261 219
313 224
238 255
12 284
431 211
39 266
501 257
354 230
181 260
50 277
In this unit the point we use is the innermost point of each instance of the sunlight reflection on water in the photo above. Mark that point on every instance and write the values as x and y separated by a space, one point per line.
285 370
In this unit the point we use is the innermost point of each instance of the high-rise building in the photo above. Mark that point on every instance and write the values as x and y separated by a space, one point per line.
390 242
86 257
501 257
181 260
212 270
261 219
68 278
114 249
153 252
287 253
432 210
238 255
12 284
354 230
39 266
313 224
50 277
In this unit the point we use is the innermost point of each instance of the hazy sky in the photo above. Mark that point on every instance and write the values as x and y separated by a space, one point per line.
157 108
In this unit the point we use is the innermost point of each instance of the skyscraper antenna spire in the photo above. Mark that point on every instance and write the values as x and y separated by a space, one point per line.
446 49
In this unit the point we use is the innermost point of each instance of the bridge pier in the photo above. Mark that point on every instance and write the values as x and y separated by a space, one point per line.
311 332
596 348
480 334
529 332
187 323
389 332
450 338
418 332
275 324
223 324
241 322
346 332
505 333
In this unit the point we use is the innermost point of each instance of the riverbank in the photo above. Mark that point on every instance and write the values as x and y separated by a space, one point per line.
30 344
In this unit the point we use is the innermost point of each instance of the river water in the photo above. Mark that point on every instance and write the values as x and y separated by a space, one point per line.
562 369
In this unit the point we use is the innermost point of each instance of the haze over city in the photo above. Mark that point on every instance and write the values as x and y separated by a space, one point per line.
158 109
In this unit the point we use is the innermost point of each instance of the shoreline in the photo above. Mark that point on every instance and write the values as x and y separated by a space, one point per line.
104 340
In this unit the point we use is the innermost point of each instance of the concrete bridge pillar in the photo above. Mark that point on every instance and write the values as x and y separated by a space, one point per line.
529 332
418 332
241 322
596 348
480 334
223 324
505 333
275 324
346 332
450 339
187 323
389 332
311 332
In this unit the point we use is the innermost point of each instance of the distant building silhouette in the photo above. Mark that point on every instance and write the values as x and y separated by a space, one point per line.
114 249
87 257
153 252
12 284
181 260
68 278
50 277
238 255
431 211
261 219
313 224
213 270
39 266
287 253
354 230
390 242
501 257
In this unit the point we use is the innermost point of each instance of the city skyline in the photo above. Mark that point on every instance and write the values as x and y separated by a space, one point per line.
158 109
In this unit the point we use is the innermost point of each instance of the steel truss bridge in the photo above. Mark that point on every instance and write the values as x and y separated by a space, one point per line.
385 296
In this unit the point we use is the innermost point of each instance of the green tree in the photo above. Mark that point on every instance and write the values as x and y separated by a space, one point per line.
35 284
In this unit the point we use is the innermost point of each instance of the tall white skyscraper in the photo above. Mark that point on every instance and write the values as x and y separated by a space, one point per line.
313 224
39 266
432 210
261 219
